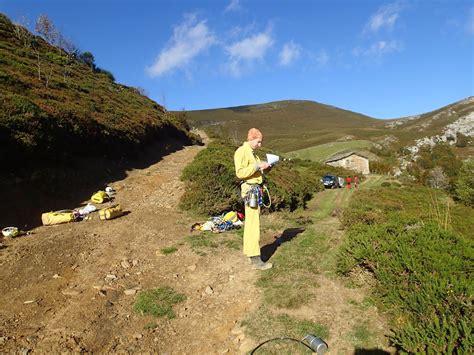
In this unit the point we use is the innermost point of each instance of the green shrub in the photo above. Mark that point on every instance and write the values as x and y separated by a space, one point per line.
441 334
464 189
461 140
423 267
380 167
442 156
107 73
212 187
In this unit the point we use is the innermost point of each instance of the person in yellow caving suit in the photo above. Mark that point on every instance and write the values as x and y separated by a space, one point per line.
249 169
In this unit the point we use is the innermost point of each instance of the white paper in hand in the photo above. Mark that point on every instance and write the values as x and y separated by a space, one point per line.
272 159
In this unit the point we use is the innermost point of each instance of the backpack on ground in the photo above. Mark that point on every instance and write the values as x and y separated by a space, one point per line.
100 197
110 212
57 217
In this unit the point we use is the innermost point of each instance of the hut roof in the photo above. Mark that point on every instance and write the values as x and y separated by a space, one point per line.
341 155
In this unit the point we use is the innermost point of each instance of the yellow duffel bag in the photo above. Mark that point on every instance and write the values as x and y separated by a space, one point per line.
57 217
231 216
110 212
100 197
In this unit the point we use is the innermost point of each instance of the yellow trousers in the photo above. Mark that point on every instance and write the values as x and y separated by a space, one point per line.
251 228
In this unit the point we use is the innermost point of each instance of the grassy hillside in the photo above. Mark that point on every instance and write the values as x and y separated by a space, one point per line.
429 124
295 125
67 128
287 125
323 151
54 106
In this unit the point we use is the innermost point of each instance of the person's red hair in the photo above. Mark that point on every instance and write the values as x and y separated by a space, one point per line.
254 133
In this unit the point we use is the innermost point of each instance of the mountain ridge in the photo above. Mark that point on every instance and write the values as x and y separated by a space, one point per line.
291 125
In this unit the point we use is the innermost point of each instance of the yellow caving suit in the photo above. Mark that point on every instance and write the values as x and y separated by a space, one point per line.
246 169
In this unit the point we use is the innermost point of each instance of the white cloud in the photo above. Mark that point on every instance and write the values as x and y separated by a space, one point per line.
248 50
385 17
253 47
233 6
289 53
378 49
190 38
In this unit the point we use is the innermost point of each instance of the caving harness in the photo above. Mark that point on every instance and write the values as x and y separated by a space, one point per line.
254 196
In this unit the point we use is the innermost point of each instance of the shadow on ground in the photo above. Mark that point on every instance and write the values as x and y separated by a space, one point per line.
288 234
44 187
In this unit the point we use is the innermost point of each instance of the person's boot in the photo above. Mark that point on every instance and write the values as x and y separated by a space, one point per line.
258 264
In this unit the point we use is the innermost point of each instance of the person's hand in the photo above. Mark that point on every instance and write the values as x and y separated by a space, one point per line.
263 165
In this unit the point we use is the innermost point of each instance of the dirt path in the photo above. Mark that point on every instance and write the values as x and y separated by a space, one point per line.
63 288
71 287
354 322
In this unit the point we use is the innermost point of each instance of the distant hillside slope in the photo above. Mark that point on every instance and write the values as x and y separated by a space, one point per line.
54 106
294 125
448 124
287 125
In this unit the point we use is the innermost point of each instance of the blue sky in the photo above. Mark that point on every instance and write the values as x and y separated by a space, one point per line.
385 59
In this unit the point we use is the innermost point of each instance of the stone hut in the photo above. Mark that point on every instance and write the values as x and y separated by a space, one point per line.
357 161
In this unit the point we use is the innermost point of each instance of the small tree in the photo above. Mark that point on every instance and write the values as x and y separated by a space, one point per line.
88 59
106 72
47 30
461 140
72 52
36 49
437 178
21 32
68 46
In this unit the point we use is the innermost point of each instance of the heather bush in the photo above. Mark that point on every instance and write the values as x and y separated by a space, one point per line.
212 187
464 188
440 156
381 167
421 256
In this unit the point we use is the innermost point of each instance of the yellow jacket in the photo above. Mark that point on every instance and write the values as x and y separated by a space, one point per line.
246 162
